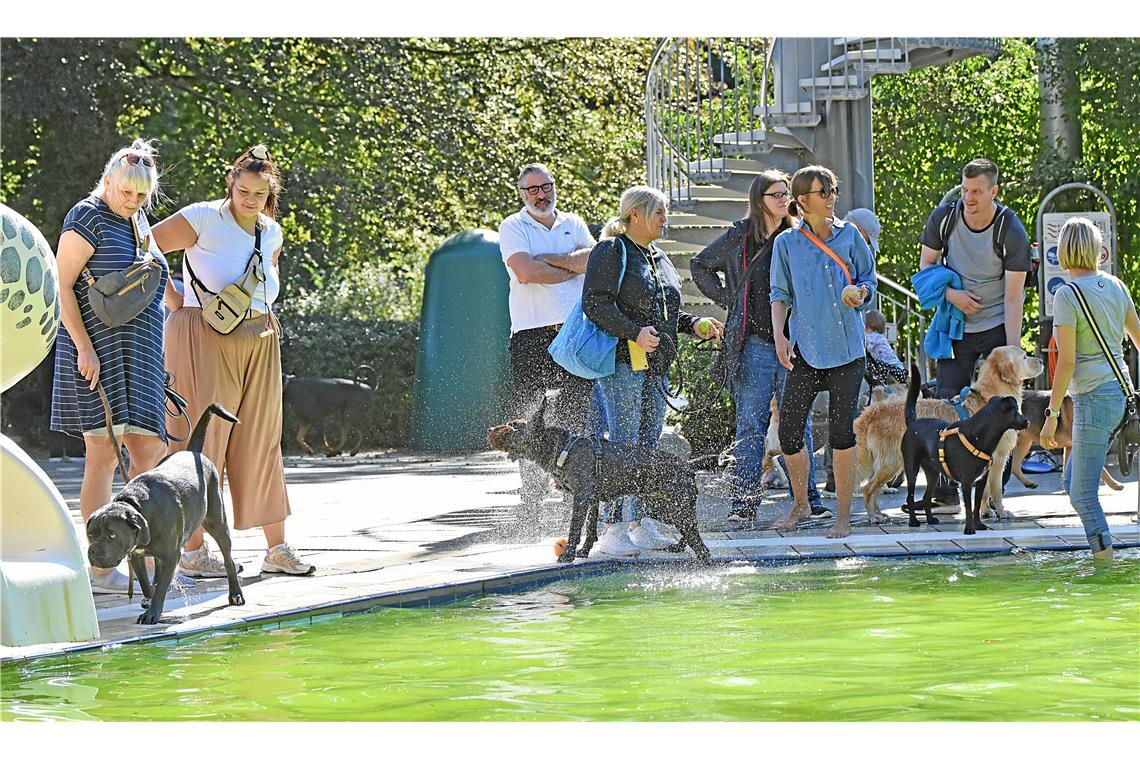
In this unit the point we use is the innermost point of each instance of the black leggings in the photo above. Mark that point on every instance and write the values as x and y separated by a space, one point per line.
800 389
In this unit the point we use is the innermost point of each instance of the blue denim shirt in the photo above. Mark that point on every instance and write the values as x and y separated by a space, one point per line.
825 332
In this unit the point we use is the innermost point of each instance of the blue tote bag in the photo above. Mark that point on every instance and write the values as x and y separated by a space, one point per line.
581 347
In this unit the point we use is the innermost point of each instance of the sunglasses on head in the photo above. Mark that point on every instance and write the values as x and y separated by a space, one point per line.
134 159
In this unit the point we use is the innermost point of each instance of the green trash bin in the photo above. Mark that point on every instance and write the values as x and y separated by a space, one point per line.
463 373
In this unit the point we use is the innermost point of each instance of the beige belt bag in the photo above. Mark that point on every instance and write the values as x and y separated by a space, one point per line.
228 308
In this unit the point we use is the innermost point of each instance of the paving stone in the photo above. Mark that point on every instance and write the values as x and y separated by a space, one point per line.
982 544
1038 542
821 551
926 546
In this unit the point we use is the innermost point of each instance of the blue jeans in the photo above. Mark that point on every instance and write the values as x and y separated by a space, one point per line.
631 407
1095 415
758 376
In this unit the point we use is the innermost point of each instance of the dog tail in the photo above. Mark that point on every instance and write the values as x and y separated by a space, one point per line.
361 375
198 437
912 390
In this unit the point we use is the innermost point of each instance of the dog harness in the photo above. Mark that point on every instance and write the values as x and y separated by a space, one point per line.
965 442
560 461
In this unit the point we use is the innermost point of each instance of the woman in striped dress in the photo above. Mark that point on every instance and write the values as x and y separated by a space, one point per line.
108 232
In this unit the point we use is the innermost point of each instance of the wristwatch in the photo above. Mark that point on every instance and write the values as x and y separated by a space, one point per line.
1051 412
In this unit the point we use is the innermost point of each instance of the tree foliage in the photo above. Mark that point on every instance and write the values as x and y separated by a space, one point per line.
388 146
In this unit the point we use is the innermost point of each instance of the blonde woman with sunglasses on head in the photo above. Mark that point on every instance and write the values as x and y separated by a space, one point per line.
1098 400
241 370
104 233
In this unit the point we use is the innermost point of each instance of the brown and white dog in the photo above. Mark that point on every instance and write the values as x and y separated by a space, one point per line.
879 429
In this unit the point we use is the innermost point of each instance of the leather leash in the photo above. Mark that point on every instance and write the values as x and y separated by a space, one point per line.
122 471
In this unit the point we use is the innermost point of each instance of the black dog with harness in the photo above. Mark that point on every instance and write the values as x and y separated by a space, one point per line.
965 451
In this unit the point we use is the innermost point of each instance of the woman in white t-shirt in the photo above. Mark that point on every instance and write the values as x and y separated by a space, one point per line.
1098 401
240 370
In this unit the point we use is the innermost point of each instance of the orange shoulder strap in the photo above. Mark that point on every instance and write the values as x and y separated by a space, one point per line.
820 244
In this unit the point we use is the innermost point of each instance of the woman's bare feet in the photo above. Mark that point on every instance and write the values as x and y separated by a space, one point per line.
841 529
799 512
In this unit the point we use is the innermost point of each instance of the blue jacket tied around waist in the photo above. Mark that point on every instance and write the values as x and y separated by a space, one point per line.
949 323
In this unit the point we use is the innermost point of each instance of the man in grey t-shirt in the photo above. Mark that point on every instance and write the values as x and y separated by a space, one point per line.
987 246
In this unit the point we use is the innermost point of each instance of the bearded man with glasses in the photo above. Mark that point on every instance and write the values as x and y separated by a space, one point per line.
545 252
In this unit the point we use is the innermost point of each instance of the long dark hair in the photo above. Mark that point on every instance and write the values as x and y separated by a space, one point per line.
264 168
757 212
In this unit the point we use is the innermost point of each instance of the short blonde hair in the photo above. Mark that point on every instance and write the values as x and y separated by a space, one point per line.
1079 244
641 197
137 176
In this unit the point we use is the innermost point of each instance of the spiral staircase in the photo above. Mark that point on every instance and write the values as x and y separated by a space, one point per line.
721 110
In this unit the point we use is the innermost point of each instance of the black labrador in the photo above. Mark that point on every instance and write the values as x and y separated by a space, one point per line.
155 514
596 470
963 452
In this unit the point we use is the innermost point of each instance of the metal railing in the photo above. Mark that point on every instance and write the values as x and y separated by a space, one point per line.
900 307
699 92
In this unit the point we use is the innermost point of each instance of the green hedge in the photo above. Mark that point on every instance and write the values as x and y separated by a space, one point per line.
709 429
324 346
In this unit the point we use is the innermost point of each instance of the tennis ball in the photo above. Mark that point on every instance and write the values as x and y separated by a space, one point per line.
852 291
560 547
704 324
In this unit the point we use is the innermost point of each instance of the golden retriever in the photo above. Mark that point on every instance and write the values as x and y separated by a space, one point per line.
879 429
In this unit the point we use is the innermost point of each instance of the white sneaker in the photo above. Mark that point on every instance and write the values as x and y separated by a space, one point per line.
114 582
615 542
647 535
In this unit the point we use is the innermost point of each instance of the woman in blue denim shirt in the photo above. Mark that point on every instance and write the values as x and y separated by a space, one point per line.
825 292
641 306
1098 401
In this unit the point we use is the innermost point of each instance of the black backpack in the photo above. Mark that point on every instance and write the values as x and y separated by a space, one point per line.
951 212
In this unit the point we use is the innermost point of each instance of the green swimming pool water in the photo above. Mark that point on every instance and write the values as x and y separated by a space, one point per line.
1008 638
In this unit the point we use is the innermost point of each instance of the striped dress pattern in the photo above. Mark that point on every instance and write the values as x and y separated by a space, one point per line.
130 356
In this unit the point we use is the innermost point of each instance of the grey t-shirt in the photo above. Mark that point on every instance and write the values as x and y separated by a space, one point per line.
1109 301
971 254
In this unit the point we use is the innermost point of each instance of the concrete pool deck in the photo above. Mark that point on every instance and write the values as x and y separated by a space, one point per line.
415 528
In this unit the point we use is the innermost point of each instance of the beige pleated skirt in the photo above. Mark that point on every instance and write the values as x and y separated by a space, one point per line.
242 372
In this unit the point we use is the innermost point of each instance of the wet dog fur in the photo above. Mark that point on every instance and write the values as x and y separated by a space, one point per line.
879 429
156 513
595 470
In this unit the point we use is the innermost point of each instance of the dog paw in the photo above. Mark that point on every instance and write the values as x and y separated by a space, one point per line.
933 521
676 548
1029 484
237 600
888 489
565 557
150 617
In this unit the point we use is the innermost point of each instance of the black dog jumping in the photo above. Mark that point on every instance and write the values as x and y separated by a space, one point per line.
596 470
155 514
963 451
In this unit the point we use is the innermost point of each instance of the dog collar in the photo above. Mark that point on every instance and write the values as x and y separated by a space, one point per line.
965 442
561 461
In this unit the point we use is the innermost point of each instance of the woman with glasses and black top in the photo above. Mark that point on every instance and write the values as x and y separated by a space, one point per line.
1098 399
633 292
823 275
747 247
108 232
240 370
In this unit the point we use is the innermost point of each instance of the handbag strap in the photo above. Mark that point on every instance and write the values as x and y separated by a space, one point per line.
199 285
1121 378
139 246
823 247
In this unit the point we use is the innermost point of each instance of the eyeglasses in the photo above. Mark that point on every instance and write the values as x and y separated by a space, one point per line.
777 196
135 159
825 194
546 187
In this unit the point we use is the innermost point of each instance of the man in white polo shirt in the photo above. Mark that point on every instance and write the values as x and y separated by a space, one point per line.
545 252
